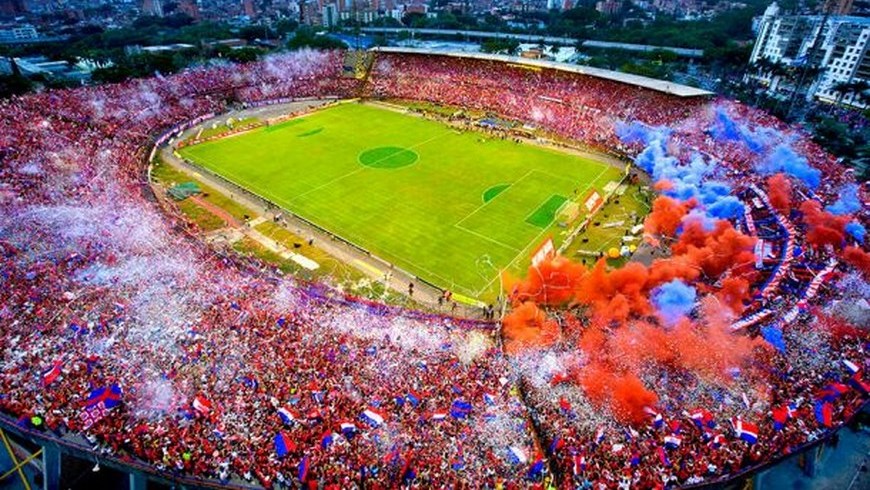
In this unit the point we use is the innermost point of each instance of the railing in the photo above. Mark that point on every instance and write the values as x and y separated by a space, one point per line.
127 465
745 472
334 296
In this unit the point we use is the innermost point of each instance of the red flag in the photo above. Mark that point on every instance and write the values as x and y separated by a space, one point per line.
49 376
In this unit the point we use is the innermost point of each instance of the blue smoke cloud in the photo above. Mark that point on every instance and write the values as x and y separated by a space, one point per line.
717 199
726 129
784 159
673 300
857 231
635 132
690 180
773 335
848 201
728 207
697 216
655 157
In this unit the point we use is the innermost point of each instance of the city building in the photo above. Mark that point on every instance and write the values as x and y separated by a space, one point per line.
189 7
248 8
824 54
609 7
152 7
329 15
50 69
17 33
839 7
12 7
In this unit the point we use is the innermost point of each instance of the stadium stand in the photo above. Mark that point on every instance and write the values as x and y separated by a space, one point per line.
121 326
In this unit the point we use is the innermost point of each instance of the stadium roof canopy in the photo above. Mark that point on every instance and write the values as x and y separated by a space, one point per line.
637 80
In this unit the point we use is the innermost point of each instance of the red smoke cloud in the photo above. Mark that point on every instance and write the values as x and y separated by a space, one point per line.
616 337
718 250
624 393
734 291
779 192
615 294
675 267
858 259
528 326
619 294
617 357
706 347
666 216
823 227
553 282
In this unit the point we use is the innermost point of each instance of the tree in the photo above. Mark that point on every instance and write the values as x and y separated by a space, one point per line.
285 26
835 136
14 85
242 55
505 46
415 19
250 33
762 66
305 37
386 21
112 74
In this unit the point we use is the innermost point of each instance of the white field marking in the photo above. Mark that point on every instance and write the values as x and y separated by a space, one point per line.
483 194
328 183
545 202
559 177
366 167
494 198
534 241
243 183
348 238
492 240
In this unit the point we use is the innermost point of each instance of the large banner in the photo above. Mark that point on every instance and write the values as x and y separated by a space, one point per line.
593 201
546 250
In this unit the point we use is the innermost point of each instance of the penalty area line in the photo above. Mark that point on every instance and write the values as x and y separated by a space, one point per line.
487 203
484 237
535 240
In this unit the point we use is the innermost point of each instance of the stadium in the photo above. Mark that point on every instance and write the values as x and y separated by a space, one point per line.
689 335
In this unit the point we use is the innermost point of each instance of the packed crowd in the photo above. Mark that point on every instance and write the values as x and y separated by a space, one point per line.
578 107
121 326
586 108
700 431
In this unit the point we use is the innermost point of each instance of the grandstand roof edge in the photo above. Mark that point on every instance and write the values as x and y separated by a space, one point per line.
671 88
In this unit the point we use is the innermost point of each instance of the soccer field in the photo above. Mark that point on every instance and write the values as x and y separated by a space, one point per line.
453 208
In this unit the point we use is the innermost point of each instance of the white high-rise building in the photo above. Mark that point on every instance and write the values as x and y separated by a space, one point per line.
152 7
330 15
838 49
14 33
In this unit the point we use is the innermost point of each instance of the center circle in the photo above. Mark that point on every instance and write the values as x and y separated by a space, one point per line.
388 157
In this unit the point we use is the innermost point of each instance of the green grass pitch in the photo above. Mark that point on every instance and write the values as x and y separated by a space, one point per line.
453 208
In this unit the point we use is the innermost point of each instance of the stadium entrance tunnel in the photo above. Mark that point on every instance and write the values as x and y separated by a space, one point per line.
388 157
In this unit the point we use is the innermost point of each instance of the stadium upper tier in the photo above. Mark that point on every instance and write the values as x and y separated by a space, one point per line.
120 324
536 64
